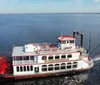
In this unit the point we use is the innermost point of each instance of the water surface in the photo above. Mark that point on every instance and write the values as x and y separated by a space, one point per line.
20 29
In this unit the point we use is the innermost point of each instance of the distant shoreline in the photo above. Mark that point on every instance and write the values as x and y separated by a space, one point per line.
49 13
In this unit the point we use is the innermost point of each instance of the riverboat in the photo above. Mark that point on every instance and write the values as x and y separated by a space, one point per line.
47 59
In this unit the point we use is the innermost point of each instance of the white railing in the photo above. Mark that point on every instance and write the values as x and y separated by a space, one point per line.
23 62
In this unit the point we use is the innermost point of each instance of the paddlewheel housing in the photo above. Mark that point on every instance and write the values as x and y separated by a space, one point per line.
5 66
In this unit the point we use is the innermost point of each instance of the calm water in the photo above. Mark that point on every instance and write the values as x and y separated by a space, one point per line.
20 29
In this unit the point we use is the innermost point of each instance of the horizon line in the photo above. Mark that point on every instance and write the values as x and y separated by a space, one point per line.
56 13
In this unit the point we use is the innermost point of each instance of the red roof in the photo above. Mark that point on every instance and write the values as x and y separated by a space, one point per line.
66 37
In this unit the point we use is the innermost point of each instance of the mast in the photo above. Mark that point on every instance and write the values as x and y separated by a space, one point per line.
89 47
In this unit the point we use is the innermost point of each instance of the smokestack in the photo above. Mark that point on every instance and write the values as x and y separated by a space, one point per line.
81 39
74 33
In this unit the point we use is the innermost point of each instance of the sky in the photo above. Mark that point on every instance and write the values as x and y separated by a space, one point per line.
49 6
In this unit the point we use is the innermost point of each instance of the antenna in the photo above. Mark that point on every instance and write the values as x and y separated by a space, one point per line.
89 48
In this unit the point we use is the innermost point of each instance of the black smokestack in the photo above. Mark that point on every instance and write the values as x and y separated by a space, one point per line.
81 39
74 33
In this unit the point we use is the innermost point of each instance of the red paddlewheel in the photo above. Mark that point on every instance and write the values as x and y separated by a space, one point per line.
5 66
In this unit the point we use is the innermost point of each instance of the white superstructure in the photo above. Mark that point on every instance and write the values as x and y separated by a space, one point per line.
46 58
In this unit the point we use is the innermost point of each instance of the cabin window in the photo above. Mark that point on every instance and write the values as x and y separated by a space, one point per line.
44 67
63 42
63 66
14 58
69 56
31 68
17 69
28 68
68 65
44 57
18 58
31 57
56 66
50 58
26 58
21 69
50 67
63 56
24 68
71 41
74 64
56 57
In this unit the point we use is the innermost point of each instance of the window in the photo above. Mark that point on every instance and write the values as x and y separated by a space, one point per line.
31 68
56 57
17 69
21 69
71 41
63 42
18 58
63 56
26 57
50 67
69 56
28 68
56 66
68 65
63 66
44 57
24 68
31 57
44 67
74 64
14 58
50 57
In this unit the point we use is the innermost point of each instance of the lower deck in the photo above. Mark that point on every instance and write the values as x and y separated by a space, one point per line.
44 74
49 68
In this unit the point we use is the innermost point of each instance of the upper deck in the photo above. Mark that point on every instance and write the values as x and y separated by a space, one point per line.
19 51
66 45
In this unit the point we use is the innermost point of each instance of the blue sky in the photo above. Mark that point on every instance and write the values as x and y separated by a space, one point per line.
49 6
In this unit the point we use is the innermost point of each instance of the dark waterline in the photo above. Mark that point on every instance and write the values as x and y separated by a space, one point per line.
20 29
